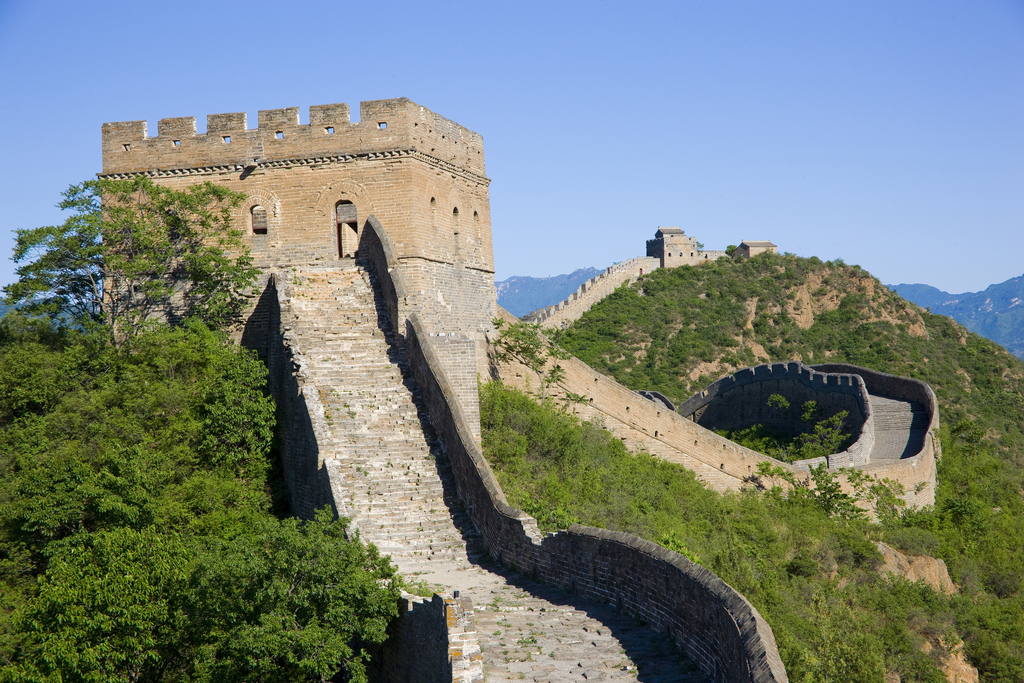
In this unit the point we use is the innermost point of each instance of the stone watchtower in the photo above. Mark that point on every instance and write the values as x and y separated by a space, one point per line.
311 187
675 248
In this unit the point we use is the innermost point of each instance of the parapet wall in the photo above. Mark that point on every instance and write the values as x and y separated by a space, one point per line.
433 640
891 386
713 623
740 400
592 291
385 125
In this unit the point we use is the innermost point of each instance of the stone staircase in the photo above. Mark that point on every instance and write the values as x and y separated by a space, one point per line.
389 474
381 461
900 427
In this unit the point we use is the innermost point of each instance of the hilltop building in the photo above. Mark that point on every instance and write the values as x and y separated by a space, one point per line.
750 248
673 247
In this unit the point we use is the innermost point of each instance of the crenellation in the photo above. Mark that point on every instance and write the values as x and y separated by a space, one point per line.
278 119
178 127
226 123
329 115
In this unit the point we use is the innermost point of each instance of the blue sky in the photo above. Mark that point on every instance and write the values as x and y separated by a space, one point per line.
889 134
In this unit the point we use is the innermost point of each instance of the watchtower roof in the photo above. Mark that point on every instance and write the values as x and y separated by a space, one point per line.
758 243
669 231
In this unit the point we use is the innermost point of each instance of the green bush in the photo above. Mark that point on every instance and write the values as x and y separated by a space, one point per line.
782 551
136 535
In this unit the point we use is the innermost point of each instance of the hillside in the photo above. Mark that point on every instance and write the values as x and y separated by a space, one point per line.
521 294
996 313
677 330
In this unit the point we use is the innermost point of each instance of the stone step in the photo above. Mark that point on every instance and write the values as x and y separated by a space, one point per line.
385 465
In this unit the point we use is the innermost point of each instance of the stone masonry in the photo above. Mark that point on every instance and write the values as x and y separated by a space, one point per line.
374 339
381 465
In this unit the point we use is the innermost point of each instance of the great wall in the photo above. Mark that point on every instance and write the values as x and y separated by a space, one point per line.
374 315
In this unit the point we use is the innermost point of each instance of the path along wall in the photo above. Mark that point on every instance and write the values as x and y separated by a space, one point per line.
723 465
740 400
713 623
592 291
917 473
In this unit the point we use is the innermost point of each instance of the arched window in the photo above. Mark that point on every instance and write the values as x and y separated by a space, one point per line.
348 229
259 220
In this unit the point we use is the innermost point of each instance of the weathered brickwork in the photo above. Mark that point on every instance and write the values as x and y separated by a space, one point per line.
415 171
433 641
740 400
723 465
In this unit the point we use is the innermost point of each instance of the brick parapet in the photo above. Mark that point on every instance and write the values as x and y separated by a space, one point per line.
432 641
279 137
819 383
713 623
591 292
892 386
457 350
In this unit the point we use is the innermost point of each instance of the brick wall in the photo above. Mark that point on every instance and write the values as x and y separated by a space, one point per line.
433 640
713 623
591 292
302 426
740 400
644 425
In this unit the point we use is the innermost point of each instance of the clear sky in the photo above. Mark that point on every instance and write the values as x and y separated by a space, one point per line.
889 134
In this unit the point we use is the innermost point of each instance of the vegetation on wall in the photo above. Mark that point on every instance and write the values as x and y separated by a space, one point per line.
677 330
805 562
819 439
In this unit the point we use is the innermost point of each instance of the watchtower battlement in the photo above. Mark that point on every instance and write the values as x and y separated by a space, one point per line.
385 126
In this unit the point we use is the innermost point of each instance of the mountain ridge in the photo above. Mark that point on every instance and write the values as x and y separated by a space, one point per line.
521 294
677 330
996 312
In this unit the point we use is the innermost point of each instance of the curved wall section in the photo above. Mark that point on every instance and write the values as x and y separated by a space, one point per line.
740 400
714 624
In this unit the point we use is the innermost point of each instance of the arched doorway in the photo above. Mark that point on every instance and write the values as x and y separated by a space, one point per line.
348 229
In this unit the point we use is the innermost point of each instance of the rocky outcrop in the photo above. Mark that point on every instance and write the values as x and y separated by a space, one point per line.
916 568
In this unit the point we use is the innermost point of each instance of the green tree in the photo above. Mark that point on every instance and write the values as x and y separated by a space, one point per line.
136 538
524 342
132 251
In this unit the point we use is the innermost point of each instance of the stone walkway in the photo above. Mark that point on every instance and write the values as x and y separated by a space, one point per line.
390 475
900 427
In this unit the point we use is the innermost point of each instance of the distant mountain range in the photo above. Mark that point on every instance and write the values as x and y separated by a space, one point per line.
521 294
996 313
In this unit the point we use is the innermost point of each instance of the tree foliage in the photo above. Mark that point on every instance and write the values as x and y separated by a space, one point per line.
137 540
691 320
525 343
803 555
132 251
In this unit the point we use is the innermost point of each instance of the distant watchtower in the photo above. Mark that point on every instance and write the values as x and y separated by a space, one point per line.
311 187
674 248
